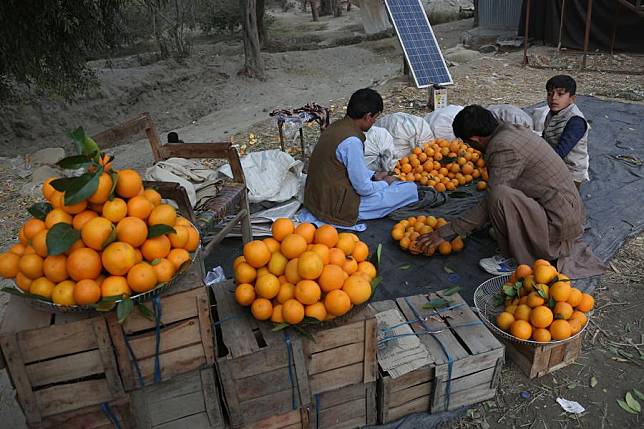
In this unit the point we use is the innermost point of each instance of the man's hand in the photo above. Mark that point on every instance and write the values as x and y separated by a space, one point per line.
390 179
380 175
429 242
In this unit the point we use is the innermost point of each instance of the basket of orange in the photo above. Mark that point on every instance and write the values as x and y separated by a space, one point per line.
304 275
99 240
534 305
407 231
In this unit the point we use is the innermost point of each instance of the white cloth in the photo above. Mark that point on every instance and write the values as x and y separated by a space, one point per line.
440 121
511 114
379 149
374 16
539 118
189 173
408 131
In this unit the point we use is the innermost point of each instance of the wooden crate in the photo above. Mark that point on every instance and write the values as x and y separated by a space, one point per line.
349 407
62 366
187 401
186 341
541 360
477 358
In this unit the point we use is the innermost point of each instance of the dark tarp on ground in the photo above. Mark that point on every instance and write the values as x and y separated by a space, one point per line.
545 19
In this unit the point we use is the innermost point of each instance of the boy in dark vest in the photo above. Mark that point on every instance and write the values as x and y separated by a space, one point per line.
565 128
340 189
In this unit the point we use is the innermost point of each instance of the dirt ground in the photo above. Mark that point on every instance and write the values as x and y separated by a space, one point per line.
204 99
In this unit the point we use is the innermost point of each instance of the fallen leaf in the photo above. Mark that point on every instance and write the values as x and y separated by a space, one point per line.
632 402
405 267
448 269
639 394
625 407
593 381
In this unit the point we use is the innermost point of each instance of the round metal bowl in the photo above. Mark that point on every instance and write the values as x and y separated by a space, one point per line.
486 302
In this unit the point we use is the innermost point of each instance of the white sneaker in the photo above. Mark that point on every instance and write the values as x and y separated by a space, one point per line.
498 265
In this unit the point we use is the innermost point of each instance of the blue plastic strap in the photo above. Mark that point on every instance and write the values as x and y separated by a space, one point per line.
393 337
156 304
133 360
226 319
105 407
289 349
317 411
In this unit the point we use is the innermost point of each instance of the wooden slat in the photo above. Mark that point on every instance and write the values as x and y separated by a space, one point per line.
229 386
196 421
337 378
211 398
347 415
176 408
370 365
173 337
417 405
372 404
91 417
13 359
106 356
139 405
67 397
336 337
332 398
265 360
265 384
173 309
279 421
205 328
67 368
237 333
472 364
418 376
57 340
336 358
122 353
260 408
174 362
183 384
301 378
411 393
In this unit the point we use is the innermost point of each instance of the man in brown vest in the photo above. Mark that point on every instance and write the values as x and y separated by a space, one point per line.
532 202
340 189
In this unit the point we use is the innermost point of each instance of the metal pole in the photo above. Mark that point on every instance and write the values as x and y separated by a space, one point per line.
589 13
525 36
618 9
561 22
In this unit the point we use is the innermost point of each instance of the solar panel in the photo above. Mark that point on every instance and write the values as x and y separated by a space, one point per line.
419 43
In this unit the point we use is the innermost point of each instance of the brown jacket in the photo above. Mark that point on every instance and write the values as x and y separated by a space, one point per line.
518 158
328 193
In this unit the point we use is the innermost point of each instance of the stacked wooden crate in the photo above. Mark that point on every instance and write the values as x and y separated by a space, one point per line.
537 361
463 363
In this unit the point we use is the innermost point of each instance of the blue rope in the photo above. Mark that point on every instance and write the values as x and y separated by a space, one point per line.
105 407
289 349
393 337
451 307
226 319
156 304
133 360
450 361
317 411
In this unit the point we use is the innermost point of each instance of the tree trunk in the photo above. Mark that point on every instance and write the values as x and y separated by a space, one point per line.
253 65
326 8
261 28
315 9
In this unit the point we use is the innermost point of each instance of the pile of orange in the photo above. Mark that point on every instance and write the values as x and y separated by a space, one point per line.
542 305
113 256
443 165
303 271
406 233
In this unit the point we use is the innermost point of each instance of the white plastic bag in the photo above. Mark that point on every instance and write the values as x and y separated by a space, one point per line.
511 114
539 118
441 121
379 149
408 131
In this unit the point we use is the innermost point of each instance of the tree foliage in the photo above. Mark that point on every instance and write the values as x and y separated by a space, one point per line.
47 43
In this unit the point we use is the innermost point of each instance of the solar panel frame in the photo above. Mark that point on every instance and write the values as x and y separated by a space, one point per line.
422 81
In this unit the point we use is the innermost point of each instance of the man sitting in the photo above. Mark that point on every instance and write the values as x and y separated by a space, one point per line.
340 189
532 202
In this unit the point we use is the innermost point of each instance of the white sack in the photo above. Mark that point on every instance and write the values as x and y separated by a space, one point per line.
374 16
271 175
511 114
379 149
539 118
408 131
440 121
189 173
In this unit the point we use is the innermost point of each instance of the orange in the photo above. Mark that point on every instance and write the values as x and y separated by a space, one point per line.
293 311
39 243
291 271
575 297
262 309
358 289
528 282
178 257
544 273
541 317
586 304
63 293
33 227
544 290
350 265
42 286
309 265
287 291
118 258
326 234
128 184
345 243
54 268
152 196
316 311
132 230
504 320
182 221
277 316
83 263
47 189
322 251
18 249
337 302
332 278
293 245
541 335
141 277
31 266
575 326
140 207
281 228
306 230
244 273
103 190
282 279
277 264
397 233
521 329
481 186
9 265
307 292
87 292
23 282
563 310
267 286
58 201
540 262
445 248
115 286
163 214
522 312
179 238
579 316
560 330
534 300
82 218
457 244
523 271
257 253
98 208
96 232
368 268
272 244
245 294
336 257
165 270
156 248
560 291
57 216
238 260
193 239
114 210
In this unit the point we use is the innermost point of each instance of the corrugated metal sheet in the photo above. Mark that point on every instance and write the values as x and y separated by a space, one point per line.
499 13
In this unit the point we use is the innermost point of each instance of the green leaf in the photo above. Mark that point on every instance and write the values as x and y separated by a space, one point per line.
14 291
436 303
155 261
405 267
304 332
115 178
374 284
84 144
632 402
451 291
378 255
104 305
280 326
123 309
572 386
145 311
509 290
459 194
551 301
542 293
110 239
448 269
40 210
160 229
638 394
593 381
625 407
60 238
74 162
82 187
